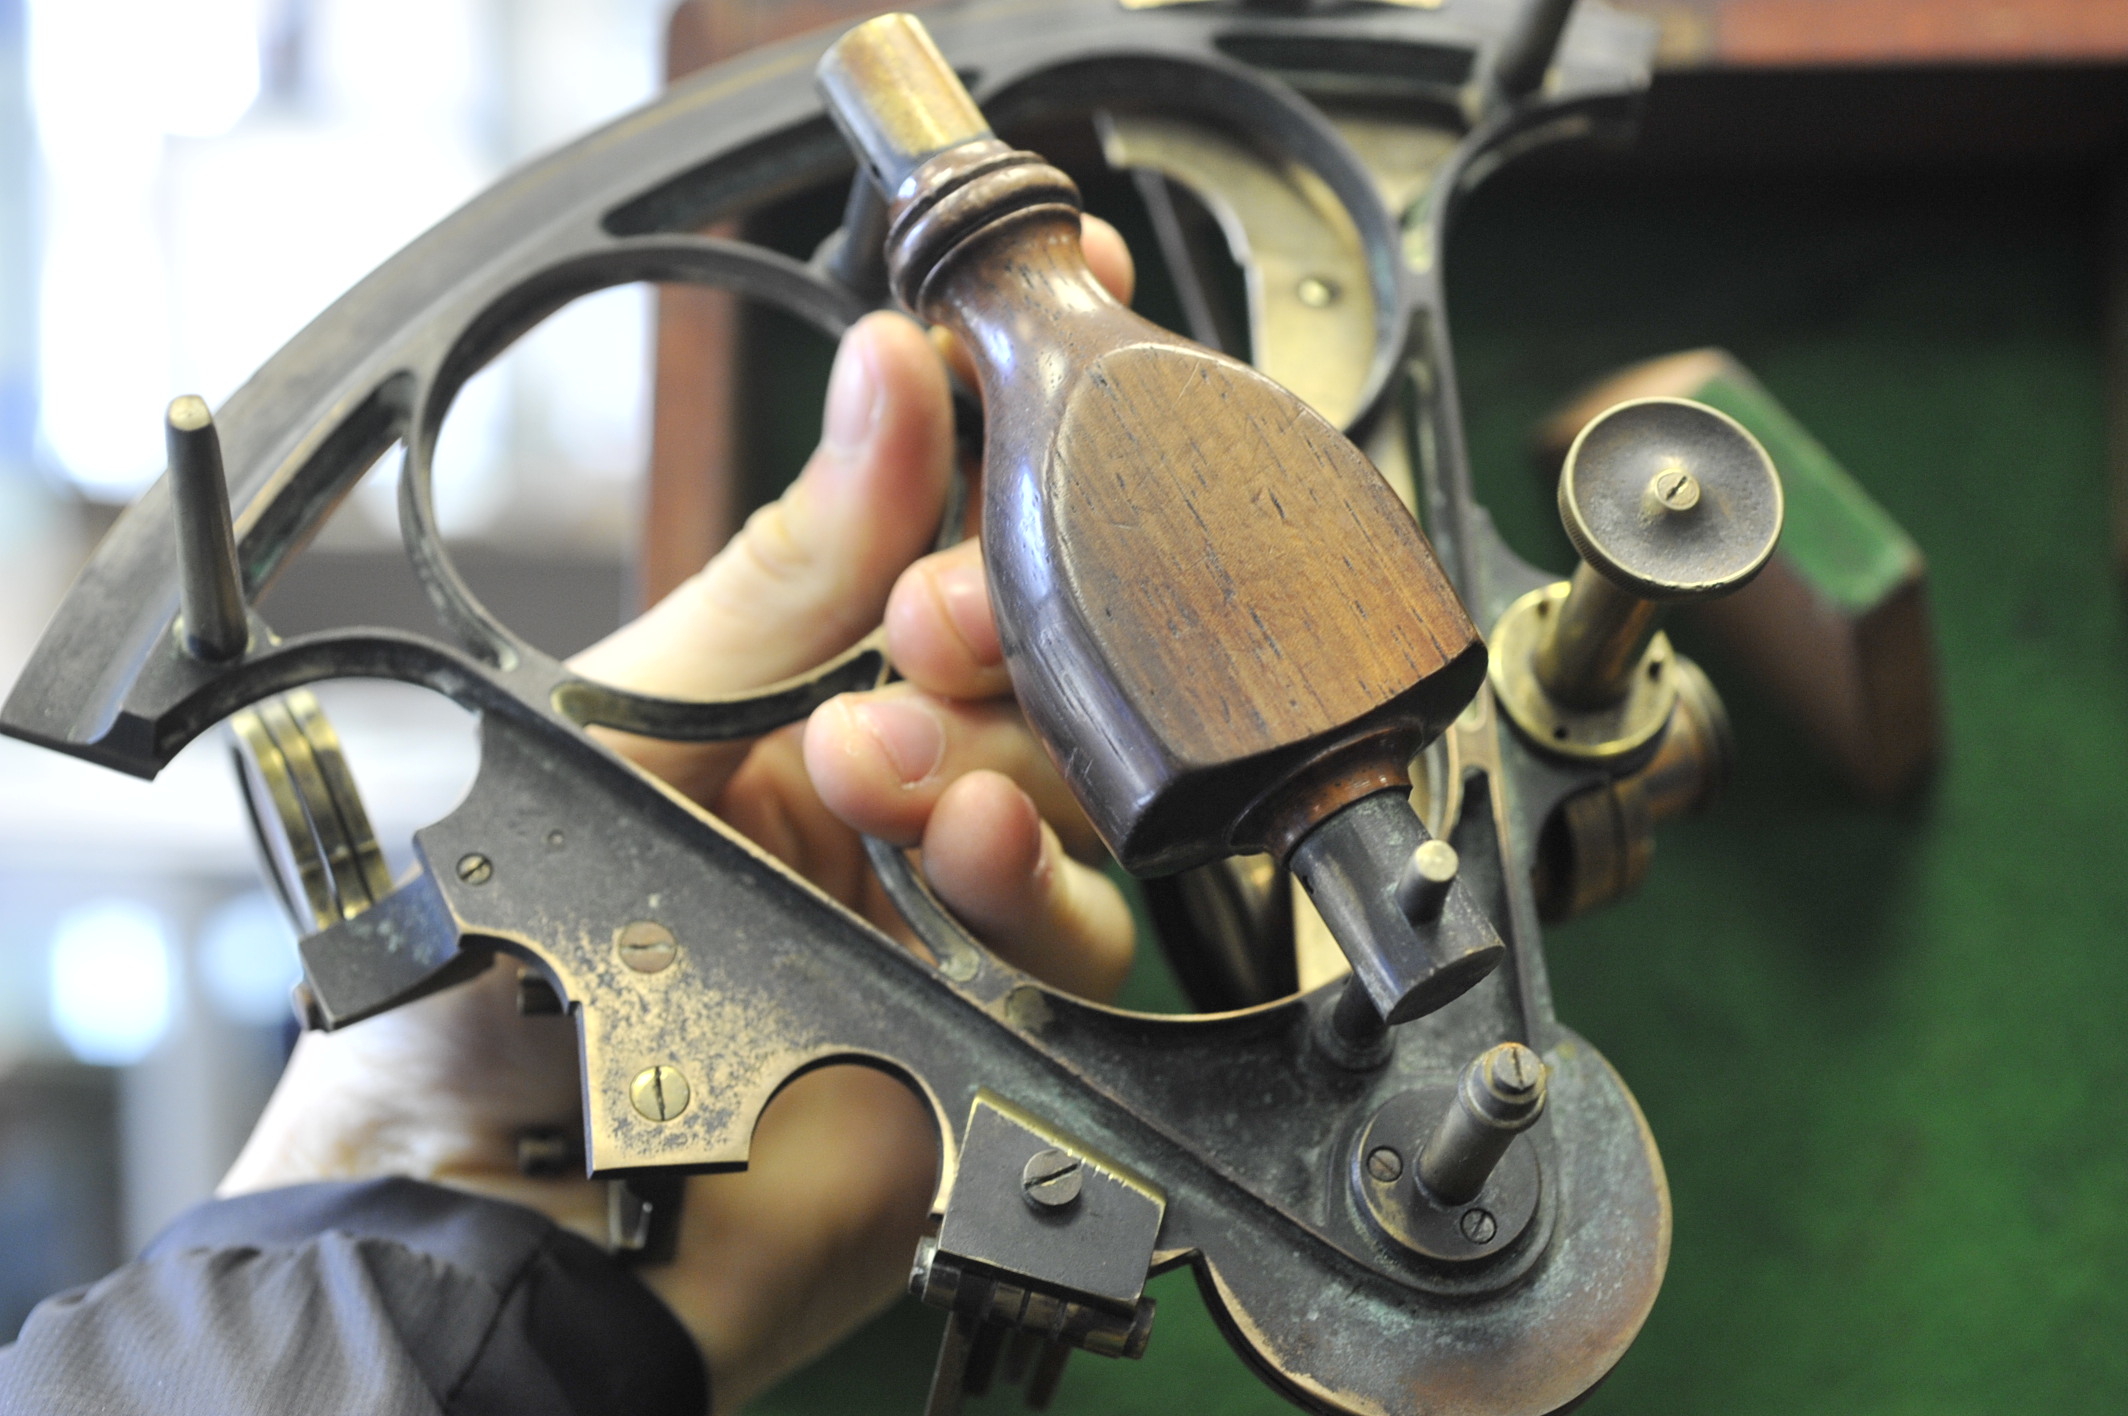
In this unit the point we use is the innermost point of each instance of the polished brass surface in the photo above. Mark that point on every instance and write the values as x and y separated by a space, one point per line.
659 1093
897 99
1692 767
1624 727
1594 641
1666 500
294 863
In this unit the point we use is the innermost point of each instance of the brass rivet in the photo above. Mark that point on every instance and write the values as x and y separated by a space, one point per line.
475 869
647 946
1317 293
660 1093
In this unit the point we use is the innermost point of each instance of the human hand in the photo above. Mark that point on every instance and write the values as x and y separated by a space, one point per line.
778 1261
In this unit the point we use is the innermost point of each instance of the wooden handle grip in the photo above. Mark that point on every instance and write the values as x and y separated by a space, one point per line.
1218 617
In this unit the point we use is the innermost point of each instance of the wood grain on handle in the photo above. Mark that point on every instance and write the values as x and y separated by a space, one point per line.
1219 618
1205 590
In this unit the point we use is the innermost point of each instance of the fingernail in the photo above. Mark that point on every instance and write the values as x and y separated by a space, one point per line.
908 733
853 399
966 601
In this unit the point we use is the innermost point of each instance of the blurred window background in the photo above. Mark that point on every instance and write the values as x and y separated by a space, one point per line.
183 185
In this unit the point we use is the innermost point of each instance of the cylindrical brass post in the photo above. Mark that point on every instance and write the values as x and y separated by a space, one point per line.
1500 1096
896 98
1592 646
210 596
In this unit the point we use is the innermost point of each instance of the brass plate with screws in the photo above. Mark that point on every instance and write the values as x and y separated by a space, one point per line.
1384 1178
1586 734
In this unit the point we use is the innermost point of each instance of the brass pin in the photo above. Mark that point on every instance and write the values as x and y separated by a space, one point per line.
1422 889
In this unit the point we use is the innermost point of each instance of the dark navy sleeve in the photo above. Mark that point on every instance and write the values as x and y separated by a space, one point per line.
382 1297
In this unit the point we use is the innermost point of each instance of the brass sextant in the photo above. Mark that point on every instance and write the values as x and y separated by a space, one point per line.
1403 1185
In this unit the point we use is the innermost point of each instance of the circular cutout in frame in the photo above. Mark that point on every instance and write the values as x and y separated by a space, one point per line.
745 270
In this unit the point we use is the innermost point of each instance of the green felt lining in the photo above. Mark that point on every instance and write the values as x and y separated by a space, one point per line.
1834 534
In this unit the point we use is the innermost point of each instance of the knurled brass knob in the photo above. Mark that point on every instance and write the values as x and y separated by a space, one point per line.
1667 501
1670 500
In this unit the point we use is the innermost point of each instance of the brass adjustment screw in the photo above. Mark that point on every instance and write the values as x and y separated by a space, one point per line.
475 869
647 946
1052 1178
1501 1095
1667 502
659 1093
1673 489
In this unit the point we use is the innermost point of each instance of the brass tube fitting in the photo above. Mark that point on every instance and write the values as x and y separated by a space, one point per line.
896 98
1595 642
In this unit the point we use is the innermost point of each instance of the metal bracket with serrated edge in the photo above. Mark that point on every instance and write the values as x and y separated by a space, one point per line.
1045 1246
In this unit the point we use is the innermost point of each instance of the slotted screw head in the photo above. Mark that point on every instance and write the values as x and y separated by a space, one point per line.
1051 1178
647 946
659 1093
1674 489
1513 1072
1479 1226
475 869
1384 1164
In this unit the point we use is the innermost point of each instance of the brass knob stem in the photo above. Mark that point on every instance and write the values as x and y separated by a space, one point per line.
896 98
1595 642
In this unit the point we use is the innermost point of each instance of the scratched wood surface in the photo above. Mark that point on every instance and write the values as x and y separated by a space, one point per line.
1205 591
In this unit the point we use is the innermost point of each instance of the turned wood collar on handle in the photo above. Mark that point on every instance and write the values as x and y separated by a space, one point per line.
1218 617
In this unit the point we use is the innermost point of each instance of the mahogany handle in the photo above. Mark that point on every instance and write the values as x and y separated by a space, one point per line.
1218 617
1223 625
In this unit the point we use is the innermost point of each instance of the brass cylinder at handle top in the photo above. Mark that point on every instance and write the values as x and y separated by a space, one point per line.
1593 646
896 98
